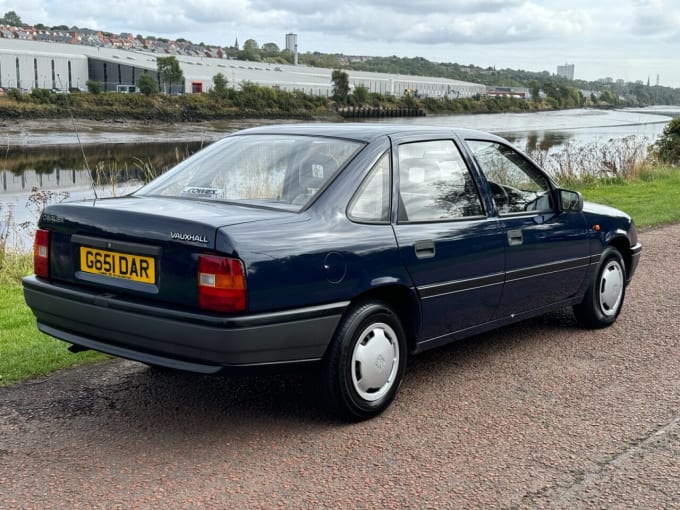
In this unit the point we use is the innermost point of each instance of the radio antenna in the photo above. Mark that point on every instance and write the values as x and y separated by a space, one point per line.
80 144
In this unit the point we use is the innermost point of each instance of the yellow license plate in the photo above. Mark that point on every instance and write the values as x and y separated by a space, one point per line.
136 268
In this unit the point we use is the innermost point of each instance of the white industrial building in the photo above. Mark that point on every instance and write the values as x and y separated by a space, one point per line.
32 64
26 69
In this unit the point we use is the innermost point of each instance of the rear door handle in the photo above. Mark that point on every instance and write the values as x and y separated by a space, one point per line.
515 237
424 249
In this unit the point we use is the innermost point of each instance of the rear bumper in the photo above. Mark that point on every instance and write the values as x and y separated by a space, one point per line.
177 339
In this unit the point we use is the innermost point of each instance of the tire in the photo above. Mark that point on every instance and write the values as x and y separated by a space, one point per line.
365 363
604 298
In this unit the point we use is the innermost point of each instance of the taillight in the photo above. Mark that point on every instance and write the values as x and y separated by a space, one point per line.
41 253
221 284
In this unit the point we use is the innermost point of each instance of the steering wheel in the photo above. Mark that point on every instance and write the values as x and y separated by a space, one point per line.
500 195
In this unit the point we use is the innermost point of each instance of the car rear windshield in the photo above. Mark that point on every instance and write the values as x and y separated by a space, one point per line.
264 170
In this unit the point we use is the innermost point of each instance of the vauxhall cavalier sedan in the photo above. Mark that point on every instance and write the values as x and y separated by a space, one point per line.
348 246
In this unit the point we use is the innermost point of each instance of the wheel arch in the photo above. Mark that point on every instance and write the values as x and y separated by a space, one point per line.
404 302
622 244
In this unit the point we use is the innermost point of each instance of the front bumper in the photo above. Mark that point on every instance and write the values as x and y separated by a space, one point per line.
179 339
635 252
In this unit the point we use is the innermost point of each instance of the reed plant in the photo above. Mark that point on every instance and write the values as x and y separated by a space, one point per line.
618 160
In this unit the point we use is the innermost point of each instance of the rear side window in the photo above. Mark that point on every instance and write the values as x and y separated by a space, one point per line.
435 184
371 203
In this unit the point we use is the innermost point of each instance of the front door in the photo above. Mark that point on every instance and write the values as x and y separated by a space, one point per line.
547 251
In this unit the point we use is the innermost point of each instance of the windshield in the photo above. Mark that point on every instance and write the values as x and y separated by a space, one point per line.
281 171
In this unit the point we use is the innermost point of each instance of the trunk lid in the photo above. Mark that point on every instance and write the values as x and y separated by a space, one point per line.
143 246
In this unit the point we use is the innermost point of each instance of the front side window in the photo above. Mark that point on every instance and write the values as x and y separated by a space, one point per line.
515 183
280 171
435 184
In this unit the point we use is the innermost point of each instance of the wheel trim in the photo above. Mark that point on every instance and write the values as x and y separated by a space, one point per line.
375 362
611 287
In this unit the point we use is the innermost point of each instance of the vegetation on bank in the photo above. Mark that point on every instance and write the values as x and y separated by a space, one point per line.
249 101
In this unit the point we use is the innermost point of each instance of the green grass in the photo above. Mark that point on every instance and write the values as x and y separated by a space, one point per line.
651 198
24 351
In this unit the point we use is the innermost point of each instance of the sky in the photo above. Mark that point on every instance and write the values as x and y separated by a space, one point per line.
621 39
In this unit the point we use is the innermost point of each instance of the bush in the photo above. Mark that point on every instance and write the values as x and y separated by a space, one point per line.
147 85
43 96
93 87
667 147
15 94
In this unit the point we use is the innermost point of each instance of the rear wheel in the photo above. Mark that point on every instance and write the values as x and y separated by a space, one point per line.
603 300
365 363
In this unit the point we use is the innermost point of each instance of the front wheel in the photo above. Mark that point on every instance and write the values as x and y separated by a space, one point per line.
603 300
365 363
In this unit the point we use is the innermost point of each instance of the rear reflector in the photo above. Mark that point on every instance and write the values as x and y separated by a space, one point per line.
221 284
41 253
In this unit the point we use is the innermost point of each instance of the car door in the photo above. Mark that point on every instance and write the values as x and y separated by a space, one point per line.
451 248
547 252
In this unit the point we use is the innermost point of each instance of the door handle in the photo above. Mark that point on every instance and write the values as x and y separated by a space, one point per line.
424 249
515 237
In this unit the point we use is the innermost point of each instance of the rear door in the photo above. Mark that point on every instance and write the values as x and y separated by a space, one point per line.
451 248
547 252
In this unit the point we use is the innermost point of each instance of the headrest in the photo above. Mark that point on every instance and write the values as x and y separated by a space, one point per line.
419 170
316 169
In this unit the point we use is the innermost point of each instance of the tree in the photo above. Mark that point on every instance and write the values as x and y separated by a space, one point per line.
288 56
251 51
608 97
147 85
270 49
219 88
361 94
535 90
170 71
667 147
340 81
11 18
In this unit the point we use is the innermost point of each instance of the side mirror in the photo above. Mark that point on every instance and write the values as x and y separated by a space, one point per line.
569 200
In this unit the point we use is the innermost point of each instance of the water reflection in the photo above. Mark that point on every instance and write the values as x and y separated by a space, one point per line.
66 166
542 141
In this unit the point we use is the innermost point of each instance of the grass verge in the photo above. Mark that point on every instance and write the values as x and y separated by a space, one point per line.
24 351
651 198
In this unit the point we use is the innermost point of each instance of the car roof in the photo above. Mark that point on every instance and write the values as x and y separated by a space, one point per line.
365 131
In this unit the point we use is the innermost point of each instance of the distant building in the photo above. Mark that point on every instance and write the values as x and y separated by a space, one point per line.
566 71
291 42
291 45
35 64
499 92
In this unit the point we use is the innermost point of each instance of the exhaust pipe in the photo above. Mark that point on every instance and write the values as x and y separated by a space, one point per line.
78 348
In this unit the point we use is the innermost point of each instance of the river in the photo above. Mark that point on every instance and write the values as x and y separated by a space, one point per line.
55 155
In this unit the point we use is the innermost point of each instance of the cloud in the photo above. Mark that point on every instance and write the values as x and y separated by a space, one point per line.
535 34
655 18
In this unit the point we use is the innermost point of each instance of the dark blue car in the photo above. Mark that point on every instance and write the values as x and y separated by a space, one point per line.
349 246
